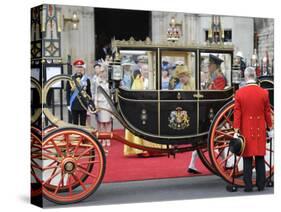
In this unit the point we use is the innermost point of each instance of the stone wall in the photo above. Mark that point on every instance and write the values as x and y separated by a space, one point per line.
265 31
194 27
79 43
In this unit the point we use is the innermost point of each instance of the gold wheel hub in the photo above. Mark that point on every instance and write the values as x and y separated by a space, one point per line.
69 165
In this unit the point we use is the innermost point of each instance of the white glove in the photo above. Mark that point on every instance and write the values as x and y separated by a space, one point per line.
236 135
270 133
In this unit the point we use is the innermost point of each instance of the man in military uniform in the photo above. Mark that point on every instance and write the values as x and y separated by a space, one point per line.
217 80
252 113
78 112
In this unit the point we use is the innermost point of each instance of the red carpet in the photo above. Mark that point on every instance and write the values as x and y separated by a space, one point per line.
120 168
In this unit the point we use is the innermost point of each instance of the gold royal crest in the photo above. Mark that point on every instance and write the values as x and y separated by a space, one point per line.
179 119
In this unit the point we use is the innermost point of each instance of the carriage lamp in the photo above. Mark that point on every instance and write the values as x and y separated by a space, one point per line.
74 20
117 71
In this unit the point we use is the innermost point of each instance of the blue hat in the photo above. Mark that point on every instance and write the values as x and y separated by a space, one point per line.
165 67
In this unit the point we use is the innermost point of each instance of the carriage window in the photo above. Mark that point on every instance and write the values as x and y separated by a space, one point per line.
139 69
178 70
215 71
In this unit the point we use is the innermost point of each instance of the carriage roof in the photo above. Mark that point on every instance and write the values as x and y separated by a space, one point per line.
132 43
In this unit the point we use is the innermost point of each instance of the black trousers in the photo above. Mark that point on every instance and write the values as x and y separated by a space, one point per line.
79 115
260 171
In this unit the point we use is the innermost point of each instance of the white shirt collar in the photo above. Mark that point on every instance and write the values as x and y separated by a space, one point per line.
251 81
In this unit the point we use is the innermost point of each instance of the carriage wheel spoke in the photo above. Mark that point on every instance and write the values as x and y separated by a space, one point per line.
76 148
80 182
227 119
270 150
236 164
84 152
67 145
35 164
69 183
82 169
268 164
60 183
88 162
51 178
50 157
224 134
221 146
54 145
224 160
35 176
219 154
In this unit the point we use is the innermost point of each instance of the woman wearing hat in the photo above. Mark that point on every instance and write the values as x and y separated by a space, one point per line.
138 84
127 80
103 117
165 76
185 79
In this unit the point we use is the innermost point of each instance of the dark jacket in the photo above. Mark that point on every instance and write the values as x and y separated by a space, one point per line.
76 105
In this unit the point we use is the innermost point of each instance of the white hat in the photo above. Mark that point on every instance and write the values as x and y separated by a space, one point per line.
239 54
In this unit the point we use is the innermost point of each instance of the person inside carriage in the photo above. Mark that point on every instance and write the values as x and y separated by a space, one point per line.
185 79
165 68
127 80
216 79
139 84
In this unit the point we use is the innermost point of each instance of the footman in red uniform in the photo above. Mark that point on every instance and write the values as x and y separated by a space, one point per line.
252 114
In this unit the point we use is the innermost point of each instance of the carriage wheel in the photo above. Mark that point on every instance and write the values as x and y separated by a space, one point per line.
89 167
67 155
36 162
221 132
203 154
49 129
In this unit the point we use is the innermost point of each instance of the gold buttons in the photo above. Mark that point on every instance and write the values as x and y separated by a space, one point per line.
251 117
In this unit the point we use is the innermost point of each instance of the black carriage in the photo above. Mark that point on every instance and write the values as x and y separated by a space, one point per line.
183 120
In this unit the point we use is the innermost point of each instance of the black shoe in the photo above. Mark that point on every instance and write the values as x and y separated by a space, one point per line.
228 167
260 188
248 189
193 171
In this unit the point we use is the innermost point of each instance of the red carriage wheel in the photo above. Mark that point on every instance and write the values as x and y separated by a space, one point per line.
49 129
54 165
36 162
221 132
67 153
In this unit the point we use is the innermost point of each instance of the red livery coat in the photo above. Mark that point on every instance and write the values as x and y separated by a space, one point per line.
252 114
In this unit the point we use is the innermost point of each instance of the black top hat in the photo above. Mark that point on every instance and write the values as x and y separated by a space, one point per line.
237 145
215 60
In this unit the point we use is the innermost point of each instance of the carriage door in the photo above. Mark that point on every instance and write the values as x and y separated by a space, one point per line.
215 84
177 105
